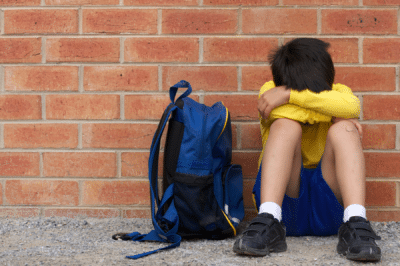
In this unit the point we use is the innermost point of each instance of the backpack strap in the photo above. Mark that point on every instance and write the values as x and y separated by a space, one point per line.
165 224
181 84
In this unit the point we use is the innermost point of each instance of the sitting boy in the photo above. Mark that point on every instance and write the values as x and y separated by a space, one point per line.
311 178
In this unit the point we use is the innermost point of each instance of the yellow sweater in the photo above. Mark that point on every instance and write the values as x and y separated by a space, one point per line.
314 111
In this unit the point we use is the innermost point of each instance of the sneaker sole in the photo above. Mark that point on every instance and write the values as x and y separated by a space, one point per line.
278 247
363 256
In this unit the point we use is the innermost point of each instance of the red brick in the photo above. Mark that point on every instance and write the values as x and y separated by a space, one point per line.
41 136
380 193
145 106
281 21
379 137
40 21
234 136
133 136
19 212
116 193
339 21
136 164
240 2
81 213
251 136
248 185
383 215
367 78
343 50
241 107
160 2
238 49
20 50
120 78
162 49
41 192
19 164
248 161
82 50
381 107
381 50
199 21
146 214
82 106
321 2
253 77
381 2
382 164
79 164
20 3
119 21
206 78
80 2
41 78
14 107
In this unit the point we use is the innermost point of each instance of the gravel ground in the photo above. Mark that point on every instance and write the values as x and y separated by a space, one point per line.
87 241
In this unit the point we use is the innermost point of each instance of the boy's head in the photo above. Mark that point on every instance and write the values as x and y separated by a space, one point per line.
303 63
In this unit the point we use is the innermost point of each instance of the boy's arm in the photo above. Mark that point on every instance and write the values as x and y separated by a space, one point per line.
273 104
339 102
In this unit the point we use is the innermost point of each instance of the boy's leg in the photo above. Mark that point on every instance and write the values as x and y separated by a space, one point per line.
281 166
343 168
281 163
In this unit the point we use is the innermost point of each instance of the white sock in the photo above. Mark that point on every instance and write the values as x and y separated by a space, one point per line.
354 210
271 208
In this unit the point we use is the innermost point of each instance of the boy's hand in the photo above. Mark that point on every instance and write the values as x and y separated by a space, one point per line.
353 120
271 99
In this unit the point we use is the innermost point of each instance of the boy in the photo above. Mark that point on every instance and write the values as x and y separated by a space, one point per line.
311 171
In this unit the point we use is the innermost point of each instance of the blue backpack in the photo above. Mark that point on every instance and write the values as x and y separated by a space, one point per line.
203 191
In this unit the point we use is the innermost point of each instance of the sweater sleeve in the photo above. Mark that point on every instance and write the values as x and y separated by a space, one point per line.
292 111
339 102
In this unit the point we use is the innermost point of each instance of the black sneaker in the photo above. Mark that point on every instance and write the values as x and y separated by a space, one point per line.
357 240
264 234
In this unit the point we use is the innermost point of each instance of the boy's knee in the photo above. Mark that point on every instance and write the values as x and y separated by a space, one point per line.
287 125
342 129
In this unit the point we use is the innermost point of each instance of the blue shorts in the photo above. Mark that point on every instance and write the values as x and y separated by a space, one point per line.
315 212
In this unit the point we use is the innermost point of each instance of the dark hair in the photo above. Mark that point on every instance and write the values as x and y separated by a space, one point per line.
303 63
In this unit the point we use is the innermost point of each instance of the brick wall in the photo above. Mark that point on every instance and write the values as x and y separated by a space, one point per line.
84 82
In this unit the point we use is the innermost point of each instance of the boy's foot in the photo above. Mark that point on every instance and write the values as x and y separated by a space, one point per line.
264 234
357 240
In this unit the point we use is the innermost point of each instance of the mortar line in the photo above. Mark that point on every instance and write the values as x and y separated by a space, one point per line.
200 2
43 98
80 136
239 70
80 78
119 164
80 20
43 49
160 78
122 50
41 173
122 107
360 3
121 2
239 23
2 22
159 21
201 50
319 21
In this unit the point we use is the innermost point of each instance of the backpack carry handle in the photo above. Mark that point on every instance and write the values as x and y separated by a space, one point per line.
174 89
